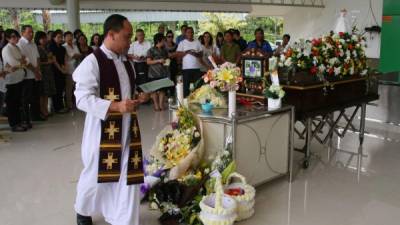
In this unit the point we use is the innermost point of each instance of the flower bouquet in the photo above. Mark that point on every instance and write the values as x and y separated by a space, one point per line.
328 58
179 145
274 93
225 77
206 92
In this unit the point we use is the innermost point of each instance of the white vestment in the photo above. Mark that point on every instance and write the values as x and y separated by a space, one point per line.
117 202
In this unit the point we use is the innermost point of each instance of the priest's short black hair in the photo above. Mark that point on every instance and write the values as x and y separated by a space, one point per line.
114 22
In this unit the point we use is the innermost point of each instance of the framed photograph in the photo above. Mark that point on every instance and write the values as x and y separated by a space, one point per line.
253 68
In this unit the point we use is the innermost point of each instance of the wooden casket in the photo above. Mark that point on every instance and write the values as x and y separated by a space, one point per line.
310 96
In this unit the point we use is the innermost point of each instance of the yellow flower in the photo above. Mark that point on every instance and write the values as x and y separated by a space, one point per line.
225 75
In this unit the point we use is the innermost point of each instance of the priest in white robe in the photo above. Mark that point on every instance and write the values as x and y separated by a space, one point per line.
114 199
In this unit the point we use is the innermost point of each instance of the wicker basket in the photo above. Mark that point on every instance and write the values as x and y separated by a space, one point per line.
218 208
245 201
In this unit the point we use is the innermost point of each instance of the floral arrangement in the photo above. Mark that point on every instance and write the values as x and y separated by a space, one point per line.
274 91
225 77
206 92
176 142
341 54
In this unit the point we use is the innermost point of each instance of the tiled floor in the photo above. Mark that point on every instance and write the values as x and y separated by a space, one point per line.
40 168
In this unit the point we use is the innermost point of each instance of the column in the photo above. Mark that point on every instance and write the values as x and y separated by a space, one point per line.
73 14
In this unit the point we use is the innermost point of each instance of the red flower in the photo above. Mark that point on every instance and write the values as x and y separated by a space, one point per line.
289 53
350 47
331 71
337 53
313 70
341 34
316 42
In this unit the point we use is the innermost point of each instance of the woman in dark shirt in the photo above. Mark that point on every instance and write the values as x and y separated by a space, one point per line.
157 59
83 47
60 54
171 47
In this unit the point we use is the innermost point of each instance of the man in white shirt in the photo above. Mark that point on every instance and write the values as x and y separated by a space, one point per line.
190 51
30 95
15 64
73 55
138 53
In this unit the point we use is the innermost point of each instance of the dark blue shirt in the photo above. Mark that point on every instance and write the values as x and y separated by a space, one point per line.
179 39
265 46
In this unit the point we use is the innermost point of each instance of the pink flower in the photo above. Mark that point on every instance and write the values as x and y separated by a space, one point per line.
213 84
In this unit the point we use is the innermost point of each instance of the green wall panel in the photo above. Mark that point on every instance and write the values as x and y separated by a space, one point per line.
391 7
390 44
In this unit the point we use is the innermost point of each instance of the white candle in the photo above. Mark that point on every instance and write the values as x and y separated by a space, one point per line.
231 103
212 62
179 93
272 64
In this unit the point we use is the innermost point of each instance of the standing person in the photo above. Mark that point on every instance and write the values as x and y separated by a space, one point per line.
239 39
31 86
161 29
83 47
190 52
104 89
77 34
59 69
284 46
171 47
219 41
2 38
260 43
137 53
3 88
230 51
46 62
208 49
95 41
156 58
14 63
49 35
71 62
181 37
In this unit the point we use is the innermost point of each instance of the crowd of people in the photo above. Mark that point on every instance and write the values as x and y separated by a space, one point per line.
36 67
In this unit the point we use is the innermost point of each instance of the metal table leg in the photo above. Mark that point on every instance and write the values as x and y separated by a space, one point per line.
361 139
307 152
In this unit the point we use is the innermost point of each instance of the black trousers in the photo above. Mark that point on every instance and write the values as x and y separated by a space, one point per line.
13 101
37 91
26 100
58 98
190 76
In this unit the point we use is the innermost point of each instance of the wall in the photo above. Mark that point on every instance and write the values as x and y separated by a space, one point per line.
309 23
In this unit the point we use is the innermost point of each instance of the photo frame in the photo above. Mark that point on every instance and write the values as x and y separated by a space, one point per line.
253 68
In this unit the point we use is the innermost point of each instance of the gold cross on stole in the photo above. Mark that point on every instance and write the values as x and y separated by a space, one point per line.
135 129
110 161
136 160
111 130
111 96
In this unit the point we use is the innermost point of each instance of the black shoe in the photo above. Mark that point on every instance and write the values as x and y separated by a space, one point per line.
27 126
83 220
18 129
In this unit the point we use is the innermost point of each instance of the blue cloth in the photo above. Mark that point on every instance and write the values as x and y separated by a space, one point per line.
179 39
265 46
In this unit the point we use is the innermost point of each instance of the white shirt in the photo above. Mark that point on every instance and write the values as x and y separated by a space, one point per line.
189 61
206 53
12 56
117 202
30 51
139 49
70 62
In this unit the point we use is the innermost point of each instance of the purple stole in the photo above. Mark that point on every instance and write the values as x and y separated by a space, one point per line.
111 128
